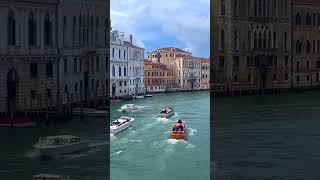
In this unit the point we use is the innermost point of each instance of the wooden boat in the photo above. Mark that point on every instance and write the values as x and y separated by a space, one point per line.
166 112
179 130
17 122
62 144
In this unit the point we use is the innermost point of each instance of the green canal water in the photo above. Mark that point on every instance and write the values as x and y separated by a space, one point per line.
267 137
19 161
144 151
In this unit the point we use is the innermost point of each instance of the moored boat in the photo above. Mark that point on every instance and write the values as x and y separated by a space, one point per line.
179 130
129 107
50 177
120 124
17 122
90 112
139 97
148 95
166 112
62 144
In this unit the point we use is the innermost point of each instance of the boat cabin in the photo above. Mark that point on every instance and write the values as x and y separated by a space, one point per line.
59 140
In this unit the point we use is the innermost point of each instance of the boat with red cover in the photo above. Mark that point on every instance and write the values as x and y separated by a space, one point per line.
17 122
179 130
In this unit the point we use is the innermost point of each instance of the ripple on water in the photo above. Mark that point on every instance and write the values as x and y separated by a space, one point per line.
192 131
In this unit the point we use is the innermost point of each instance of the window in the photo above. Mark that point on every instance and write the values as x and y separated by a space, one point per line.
113 71
314 46
318 42
298 79
74 30
308 19
236 61
65 66
308 77
249 78
106 30
298 47
255 45
98 63
274 39
97 28
223 7
49 69
274 77
47 31
314 19
74 65
221 62
269 40
125 83
32 30
124 54
113 52
308 47
286 60
236 41
307 64
275 61
317 77
264 40
33 94
119 53
298 19
298 65
11 29
318 64
260 41
235 8
80 26
286 76
222 40
285 41
124 71
119 71
34 70
64 30
235 78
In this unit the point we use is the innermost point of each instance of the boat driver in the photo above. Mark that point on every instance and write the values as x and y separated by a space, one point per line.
180 125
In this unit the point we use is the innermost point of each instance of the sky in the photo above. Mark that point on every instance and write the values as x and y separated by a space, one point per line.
155 24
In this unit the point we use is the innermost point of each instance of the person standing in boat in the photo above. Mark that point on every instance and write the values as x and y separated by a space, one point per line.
180 125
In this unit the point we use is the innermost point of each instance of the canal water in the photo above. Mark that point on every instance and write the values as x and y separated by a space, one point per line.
267 137
18 159
145 152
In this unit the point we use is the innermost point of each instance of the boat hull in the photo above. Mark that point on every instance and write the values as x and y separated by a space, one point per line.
121 128
20 125
68 149
166 115
178 134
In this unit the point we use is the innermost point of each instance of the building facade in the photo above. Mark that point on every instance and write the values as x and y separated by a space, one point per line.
158 77
305 43
28 54
205 74
83 40
252 44
188 70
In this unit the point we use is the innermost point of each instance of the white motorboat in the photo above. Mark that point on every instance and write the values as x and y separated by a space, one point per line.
63 144
139 97
121 124
50 177
90 112
148 95
129 107
166 112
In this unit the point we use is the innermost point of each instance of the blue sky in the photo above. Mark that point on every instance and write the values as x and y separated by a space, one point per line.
162 23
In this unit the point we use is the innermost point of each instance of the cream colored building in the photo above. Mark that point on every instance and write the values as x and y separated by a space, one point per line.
205 74
188 72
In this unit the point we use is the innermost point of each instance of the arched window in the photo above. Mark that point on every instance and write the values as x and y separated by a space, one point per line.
269 40
119 70
260 40
274 39
235 8
119 53
308 19
264 8
255 40
64 29
113 71
124 54
66 89
308 47
236 41
11 29
285 40
32 30
297 47
124 71
74 29
222 39
223 8
314 19
47 31
249 40
113 52
235 78
264 40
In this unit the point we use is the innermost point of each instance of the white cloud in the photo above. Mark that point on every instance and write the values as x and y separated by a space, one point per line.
187 20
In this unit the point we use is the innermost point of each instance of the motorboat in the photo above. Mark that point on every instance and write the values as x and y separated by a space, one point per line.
166 112
62 144
90 112
50 177
148 95
129 107
120 124
139 97
179 130
19 122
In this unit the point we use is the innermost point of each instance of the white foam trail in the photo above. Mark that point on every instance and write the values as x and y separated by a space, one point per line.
175 114
191 131
32 154
163 120
135 140
112 137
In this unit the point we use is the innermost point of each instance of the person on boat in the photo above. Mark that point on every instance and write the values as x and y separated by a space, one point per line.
180 125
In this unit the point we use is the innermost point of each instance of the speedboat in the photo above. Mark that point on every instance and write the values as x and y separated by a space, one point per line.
50 177
90 112
128 107
121 124
166 112
139 97
62 144
148 95
179 130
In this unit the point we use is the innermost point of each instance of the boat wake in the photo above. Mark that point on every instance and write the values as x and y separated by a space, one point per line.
32 154
170 144
163 120
117 153
192 131
112 137
135 140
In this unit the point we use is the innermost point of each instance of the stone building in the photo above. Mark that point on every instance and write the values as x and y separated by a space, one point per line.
28 55
127 67
252 43
205 74
306 43
83 40
158 77
167 56
188 72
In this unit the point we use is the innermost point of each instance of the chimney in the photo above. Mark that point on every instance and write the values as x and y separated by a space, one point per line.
121 38
131 39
